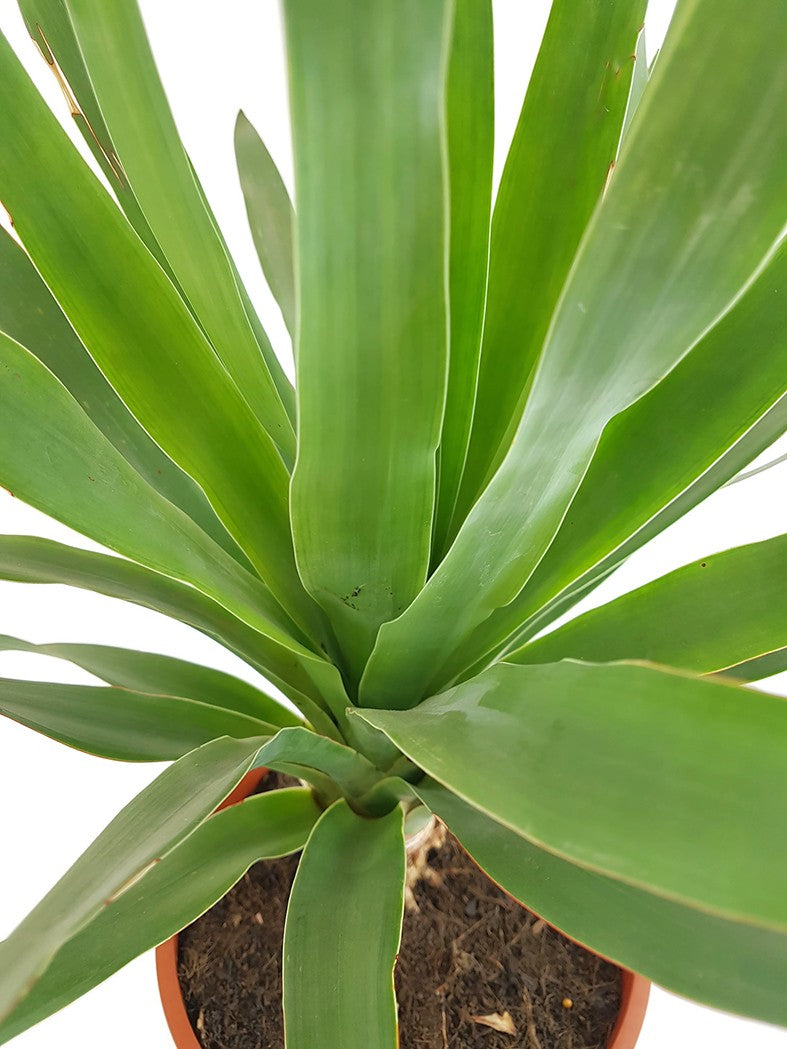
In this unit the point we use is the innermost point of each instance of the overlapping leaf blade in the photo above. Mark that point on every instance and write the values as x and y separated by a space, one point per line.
59 49
271 215
692 213
136 327
559 161
110 39
160 817
30 316
72 472
158 709
707 616
470 133
163 675
308 680
662 456
635 772
730 965
342 933
188 880
122 724
367 99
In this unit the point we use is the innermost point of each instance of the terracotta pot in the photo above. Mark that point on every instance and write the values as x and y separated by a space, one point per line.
624 1034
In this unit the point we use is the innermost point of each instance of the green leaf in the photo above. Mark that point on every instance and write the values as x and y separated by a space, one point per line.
158 709
707 616
671 783
308 680
137 329
59 49
629 494
729 965
30 316
367 99
342 933
71 472
301 752
563 149
189 879
271 215
114 47
639 81
139 837
690 218
163 675
470 129
122 724
755 669
758 470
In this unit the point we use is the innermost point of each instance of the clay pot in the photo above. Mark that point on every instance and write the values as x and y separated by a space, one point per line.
635 989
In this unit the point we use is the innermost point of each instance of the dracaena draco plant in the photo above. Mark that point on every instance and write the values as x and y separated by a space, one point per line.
497 401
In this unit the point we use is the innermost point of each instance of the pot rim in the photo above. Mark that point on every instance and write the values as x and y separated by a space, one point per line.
635 989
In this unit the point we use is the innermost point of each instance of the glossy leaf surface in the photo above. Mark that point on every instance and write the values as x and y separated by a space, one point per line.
188 880
30 316
470 132
630 493
72 472
271 215
50 27
113 44
564 146
669 251
137 329
139 837
632 771
726 964
707 616
371 351
342 933
122 724
163 675
304 677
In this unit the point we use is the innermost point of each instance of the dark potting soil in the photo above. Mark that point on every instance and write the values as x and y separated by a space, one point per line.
475 969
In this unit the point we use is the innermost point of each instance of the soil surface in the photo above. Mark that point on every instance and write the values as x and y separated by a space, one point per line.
475 969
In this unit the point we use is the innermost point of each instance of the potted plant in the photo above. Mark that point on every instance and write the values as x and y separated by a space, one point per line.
494 407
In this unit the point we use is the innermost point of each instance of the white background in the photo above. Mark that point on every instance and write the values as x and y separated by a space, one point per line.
214 59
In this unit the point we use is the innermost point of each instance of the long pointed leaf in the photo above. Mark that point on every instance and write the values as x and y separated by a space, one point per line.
161 816
470 127
729 965
122 724
639 81
111 40
187 881
367 99
342 933
136 327
71 471
691 216
558 164
156 674
630 494
305 678
60 51
707 616
271 215
671 783
30 316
